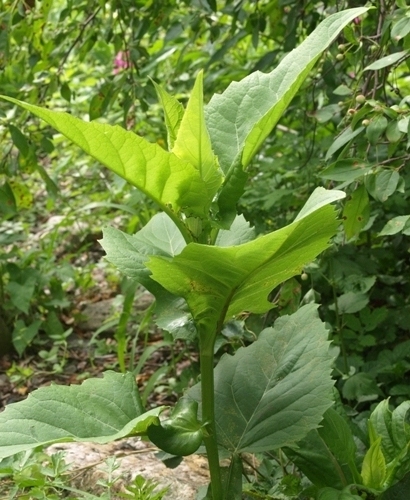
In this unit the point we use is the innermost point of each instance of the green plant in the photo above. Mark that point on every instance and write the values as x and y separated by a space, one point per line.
203 264
329 456
143 489
35 474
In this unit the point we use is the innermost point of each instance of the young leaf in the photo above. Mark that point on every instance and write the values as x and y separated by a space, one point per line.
98 410
242 116
280 385
173 111
374 466
182 433
171 182
193 143
221 282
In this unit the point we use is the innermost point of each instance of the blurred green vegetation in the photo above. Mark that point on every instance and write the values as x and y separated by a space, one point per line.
347 128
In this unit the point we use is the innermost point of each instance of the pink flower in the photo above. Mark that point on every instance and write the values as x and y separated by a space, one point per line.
121 61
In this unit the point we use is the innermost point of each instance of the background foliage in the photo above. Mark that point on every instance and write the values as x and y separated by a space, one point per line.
347 128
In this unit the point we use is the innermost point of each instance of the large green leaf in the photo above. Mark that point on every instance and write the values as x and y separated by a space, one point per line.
193 143
242 116
99 410
167 179
220 282
273 392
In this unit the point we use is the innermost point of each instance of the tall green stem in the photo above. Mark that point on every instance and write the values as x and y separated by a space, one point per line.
208 414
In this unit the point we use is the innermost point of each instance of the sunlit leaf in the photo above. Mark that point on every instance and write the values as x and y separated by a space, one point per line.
193 143
220 282
168 180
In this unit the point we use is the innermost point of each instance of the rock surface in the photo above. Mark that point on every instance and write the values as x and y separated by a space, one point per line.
135 457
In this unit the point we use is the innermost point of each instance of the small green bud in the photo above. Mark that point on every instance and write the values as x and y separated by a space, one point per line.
360 98
341 47
304 276
365 122
340 57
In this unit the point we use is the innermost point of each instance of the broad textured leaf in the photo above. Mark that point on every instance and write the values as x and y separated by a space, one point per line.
182 433
374 466
272 393
242 116
129 253
168 180
173 111
356 212
99 410
220 282
193 143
